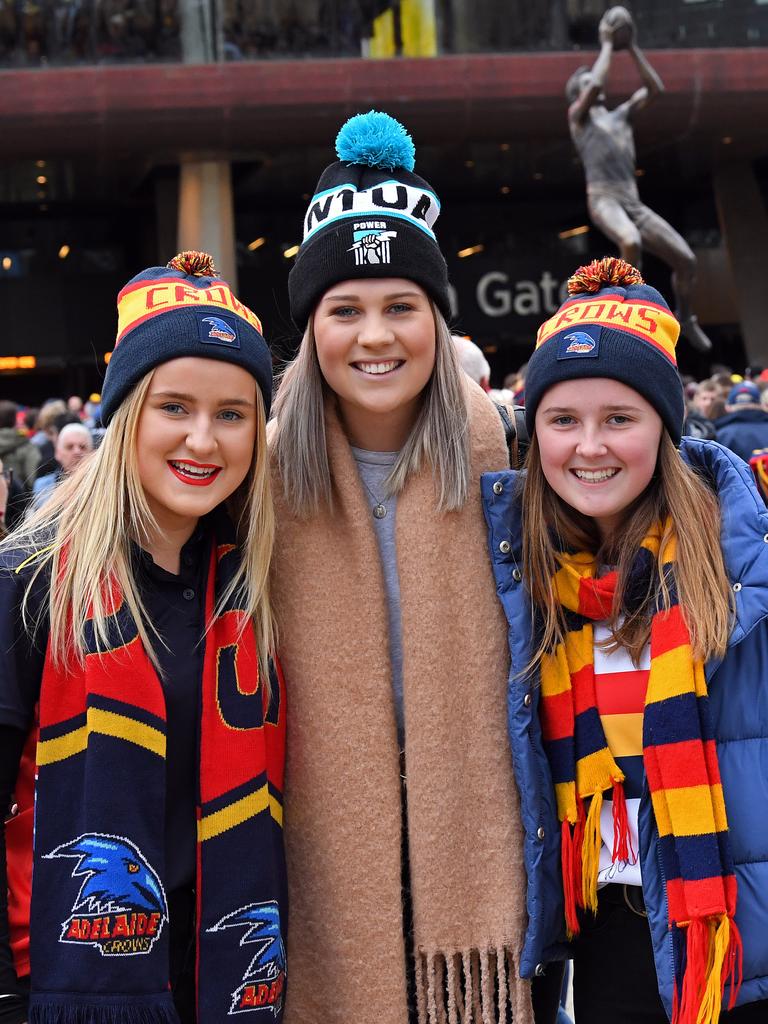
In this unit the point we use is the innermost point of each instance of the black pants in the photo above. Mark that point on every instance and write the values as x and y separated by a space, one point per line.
614 977
545 992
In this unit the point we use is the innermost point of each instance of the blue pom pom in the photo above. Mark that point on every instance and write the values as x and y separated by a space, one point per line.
375 140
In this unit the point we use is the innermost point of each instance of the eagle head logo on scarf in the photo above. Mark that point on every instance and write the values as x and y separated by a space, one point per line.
121 906
264 979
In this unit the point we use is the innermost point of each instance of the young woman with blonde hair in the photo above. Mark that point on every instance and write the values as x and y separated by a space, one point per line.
141 717
403 838
638 702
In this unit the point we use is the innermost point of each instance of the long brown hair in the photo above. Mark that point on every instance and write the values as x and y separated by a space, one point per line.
675 491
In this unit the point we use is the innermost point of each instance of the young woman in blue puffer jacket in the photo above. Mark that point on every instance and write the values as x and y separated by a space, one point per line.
633 570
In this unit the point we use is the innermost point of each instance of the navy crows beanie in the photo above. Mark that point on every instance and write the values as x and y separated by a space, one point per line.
612 325
182 309
370 216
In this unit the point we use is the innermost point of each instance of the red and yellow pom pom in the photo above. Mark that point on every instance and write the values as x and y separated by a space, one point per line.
194 263
598 273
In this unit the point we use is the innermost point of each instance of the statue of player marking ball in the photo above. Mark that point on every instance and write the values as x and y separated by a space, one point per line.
605 143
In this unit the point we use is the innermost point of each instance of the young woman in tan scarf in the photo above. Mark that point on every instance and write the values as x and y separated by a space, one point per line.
390 630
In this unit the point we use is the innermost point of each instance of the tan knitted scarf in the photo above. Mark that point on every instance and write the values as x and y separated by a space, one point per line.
346 950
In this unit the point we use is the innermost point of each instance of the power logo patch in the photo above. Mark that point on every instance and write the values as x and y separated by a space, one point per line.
219 330
121 906
370 242
264 979
584 343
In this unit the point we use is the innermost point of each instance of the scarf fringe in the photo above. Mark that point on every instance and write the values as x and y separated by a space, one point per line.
58 1011
714 959
622 838
590 853
568 857
476 986
580 853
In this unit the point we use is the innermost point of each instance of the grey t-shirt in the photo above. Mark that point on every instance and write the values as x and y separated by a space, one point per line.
374 468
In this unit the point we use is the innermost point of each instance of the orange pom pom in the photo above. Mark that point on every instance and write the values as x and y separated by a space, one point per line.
194 263
598 273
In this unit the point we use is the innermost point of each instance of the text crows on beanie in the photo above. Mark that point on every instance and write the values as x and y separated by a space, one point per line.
182 309
370 216
615 326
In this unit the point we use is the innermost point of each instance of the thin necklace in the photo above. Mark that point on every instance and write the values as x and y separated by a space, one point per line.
379 508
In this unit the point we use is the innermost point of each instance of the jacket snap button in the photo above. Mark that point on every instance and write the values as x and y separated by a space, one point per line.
539 970
540 832
736 588
498 487
765 538
505 547
528 700
516 575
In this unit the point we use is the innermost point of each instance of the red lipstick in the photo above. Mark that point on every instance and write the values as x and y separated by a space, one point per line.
200 474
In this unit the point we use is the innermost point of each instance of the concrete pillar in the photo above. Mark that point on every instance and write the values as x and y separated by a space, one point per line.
744 227
206 213
198 30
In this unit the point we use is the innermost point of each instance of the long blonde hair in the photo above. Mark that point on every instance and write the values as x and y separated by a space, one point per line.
440 435
82 538
704 592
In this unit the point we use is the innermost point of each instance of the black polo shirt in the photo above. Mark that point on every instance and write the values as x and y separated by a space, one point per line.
176 608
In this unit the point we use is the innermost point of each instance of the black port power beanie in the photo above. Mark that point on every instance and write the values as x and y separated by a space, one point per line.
612 325
182 309
370 216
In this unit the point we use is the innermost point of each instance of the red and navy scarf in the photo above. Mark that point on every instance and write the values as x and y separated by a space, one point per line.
99 914
681 767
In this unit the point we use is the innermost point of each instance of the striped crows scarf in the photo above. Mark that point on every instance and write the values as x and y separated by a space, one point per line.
681 767
99 922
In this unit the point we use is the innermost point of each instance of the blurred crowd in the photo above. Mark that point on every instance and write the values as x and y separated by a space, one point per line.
72 31
101 31
40 446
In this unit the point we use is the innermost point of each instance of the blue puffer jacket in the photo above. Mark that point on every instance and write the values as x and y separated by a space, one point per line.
738 688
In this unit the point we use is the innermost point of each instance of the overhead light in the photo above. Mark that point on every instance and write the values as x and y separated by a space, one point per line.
582 229
639 173
505 190
491 349
469 163
537 175
7 262
727 140
107 356
64 252
504 147
18 362
470 251
39 163
290 252
305 196
256 244
41 179
41 193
